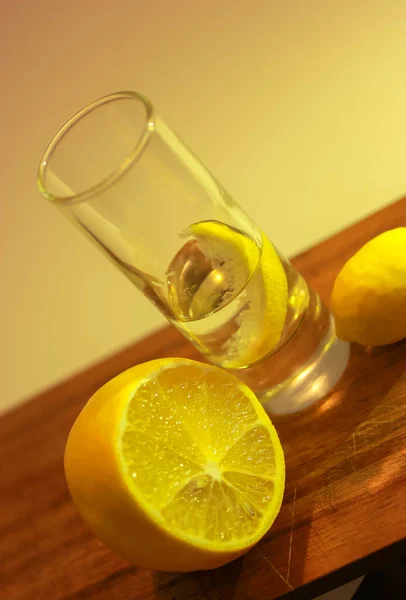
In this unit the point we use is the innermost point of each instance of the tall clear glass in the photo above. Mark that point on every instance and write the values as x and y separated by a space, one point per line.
132 186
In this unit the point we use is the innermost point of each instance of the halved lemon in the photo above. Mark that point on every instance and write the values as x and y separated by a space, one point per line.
176 466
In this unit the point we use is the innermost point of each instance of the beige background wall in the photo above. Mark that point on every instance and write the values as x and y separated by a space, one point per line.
298 107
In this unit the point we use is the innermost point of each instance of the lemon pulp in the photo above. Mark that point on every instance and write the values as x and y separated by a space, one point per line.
207 474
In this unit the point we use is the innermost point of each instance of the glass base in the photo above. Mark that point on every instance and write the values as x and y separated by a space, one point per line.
314 381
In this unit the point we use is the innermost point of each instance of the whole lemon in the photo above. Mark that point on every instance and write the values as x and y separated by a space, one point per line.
369 294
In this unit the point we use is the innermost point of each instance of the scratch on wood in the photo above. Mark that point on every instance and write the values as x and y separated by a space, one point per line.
330 489
291 533
394 412
274 568
362 435
354 452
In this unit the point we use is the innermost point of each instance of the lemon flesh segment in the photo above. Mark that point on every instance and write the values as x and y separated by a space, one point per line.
369 295
198 451
258 281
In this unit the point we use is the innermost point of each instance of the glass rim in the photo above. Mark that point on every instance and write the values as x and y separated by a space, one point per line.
114 175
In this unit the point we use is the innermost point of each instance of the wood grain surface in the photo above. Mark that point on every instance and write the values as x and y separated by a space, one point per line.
344 507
